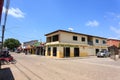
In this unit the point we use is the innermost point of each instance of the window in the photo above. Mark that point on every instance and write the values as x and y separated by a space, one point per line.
75 38
83 39
104 42
48 39
55 38
97 41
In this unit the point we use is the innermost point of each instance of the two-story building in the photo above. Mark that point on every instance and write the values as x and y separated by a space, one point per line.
63 43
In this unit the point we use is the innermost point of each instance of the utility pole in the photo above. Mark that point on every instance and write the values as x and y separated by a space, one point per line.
5 19
3 31
3 27
1 6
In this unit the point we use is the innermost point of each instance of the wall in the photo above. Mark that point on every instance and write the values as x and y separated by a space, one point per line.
68 38
113 42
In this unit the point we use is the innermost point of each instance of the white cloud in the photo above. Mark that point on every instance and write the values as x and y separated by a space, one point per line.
93 23
15 12
70 29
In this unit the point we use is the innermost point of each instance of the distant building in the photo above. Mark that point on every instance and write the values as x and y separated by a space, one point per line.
34 47
28 47
63 43
115 42
29 43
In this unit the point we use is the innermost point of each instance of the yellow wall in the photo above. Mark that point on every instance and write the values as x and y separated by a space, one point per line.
83 54
60 52
71 52
83 51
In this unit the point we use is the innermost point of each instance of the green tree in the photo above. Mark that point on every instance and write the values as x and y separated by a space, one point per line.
11 43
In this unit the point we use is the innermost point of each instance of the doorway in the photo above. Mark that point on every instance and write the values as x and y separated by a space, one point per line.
54 51
97 50
66 51
76 52
49 51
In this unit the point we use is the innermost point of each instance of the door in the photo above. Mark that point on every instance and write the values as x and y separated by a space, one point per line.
54 51
97 50
76 52
49 51
66 52
38 51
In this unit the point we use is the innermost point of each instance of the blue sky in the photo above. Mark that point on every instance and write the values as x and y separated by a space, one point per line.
31 20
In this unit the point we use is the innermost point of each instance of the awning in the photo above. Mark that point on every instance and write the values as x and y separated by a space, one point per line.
37 44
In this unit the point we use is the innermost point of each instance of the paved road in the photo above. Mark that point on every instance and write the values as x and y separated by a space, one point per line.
33 67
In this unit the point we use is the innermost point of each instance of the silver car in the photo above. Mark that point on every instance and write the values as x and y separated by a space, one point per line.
103 54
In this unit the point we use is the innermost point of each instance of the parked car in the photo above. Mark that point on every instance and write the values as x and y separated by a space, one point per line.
103 54
18 51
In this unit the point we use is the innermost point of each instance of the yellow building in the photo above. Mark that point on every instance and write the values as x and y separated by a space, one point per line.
63 43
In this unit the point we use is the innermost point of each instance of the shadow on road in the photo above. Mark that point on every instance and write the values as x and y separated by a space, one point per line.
6 74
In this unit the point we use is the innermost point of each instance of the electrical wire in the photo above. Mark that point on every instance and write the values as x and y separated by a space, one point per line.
16 35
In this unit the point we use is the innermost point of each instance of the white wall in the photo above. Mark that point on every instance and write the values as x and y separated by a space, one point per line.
68 38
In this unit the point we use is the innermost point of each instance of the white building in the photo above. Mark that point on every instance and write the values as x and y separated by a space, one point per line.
63 43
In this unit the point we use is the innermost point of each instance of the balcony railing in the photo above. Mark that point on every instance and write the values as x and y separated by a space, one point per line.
90 43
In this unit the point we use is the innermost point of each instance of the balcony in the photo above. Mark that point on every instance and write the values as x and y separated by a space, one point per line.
90 43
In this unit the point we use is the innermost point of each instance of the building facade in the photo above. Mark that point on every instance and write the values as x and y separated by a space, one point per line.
28 46
115 42
63 43
29 43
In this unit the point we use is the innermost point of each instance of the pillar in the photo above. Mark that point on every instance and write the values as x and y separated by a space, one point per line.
71 51
60 52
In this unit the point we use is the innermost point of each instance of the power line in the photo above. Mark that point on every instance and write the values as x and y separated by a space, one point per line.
13 34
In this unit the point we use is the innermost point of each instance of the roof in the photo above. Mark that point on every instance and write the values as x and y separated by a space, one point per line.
72 33
30 42
113 40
